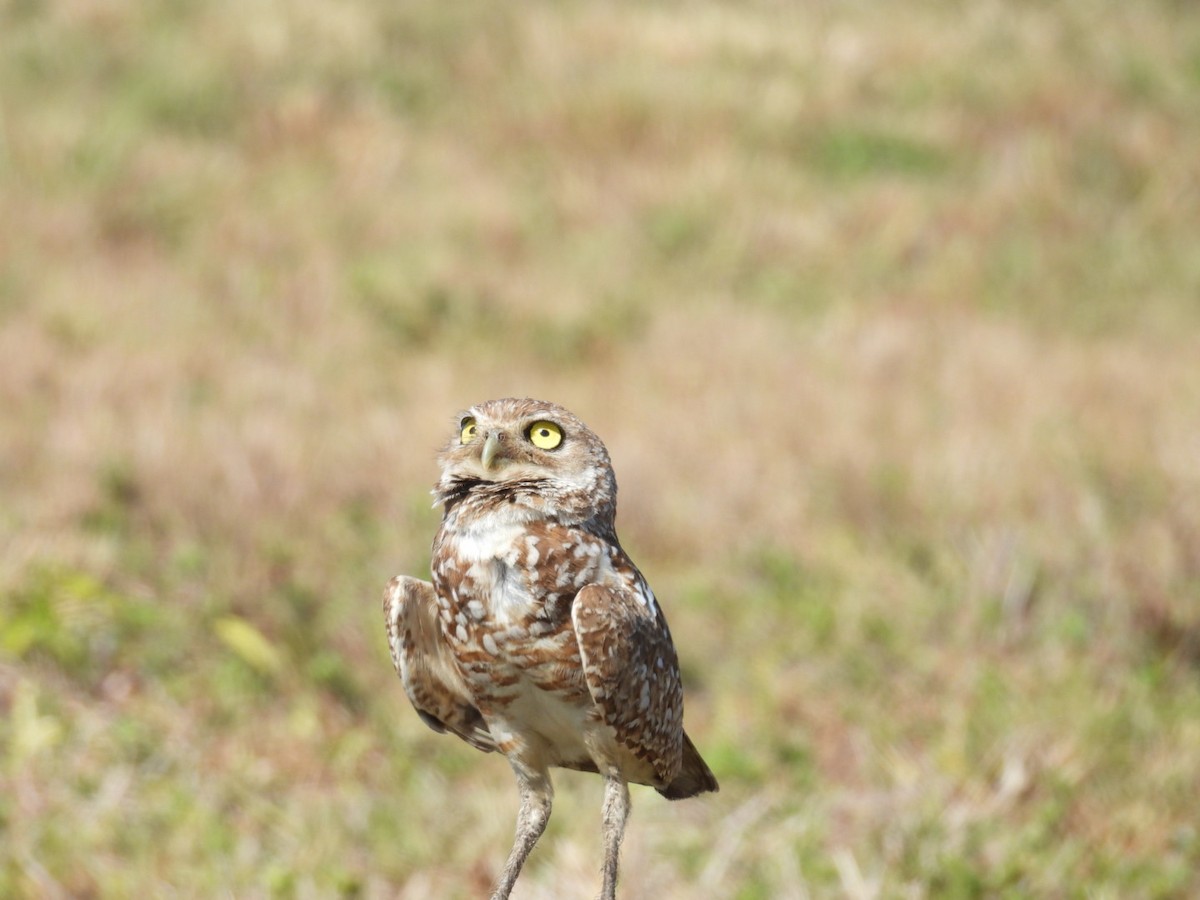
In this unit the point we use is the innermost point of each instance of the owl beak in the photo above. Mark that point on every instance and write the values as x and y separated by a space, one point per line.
491 447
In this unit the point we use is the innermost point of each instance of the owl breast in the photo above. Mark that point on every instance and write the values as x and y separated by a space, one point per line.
504 591
515 575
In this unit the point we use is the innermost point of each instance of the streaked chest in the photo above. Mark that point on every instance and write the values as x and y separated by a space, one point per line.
513 580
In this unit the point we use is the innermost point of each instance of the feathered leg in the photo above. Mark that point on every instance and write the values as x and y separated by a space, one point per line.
537 796
616 813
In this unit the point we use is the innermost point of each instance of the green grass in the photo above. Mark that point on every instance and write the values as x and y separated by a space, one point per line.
888 317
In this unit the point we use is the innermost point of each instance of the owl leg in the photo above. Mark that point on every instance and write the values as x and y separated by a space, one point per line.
616 813
537 796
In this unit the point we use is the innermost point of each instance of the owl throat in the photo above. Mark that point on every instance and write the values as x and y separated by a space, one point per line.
479 495
469 499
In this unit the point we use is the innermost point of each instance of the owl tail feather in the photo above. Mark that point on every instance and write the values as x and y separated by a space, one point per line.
695 777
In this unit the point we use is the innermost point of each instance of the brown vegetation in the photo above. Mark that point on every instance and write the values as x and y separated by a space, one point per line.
889 317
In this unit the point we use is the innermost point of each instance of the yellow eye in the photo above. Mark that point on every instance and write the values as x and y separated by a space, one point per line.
545 435
468 430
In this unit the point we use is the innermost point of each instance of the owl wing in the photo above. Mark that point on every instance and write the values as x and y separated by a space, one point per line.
632 673
425 665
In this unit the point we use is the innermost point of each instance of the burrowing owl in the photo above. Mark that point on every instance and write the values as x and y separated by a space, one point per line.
539 637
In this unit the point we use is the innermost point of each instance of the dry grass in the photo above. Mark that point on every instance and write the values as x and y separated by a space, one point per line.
888 316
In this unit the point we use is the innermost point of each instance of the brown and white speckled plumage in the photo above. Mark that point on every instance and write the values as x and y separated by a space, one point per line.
539 637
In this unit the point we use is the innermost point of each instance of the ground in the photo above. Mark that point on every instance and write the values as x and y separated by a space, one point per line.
888 313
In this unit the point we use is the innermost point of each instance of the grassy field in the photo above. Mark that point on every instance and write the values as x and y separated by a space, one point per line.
890 317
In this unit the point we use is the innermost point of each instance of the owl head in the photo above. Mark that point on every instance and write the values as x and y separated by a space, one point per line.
531 458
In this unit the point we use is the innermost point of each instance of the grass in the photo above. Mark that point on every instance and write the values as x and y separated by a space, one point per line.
888 317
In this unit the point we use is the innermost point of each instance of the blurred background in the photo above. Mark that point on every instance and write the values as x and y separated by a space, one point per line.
890 317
